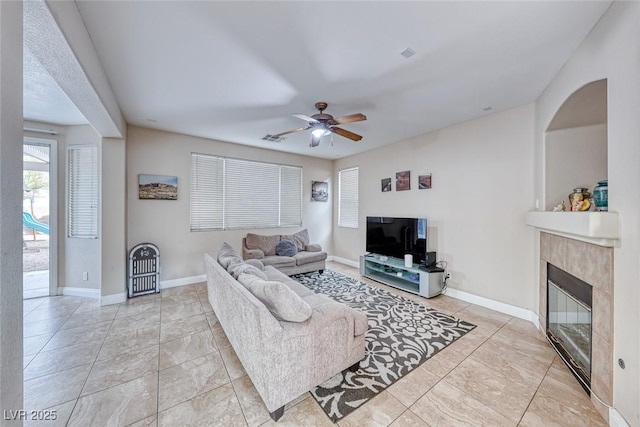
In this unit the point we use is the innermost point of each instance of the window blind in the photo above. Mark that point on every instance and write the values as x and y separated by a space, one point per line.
207 192
348 198
241 194
290 196
82 190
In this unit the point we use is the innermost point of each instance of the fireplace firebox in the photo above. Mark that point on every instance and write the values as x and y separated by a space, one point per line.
569 302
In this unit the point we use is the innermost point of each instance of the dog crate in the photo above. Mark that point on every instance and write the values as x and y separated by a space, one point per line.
144 270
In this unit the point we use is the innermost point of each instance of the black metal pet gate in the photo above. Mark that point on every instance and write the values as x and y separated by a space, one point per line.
144 270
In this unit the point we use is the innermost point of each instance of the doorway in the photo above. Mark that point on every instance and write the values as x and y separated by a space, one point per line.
39 218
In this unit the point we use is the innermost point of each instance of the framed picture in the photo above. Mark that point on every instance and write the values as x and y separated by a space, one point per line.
403 180
319 191
424 181
157 187
386 184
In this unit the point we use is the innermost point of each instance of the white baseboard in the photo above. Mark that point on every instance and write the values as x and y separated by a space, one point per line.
511 310
183 281
79 292
113 299
344 261
164 284
616 420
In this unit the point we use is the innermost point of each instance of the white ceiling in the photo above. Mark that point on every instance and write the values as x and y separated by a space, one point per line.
236 71
43 100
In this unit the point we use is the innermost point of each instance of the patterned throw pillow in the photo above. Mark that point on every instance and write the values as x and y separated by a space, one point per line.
286 248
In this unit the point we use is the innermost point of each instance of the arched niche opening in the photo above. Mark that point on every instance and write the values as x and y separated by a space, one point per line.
576 144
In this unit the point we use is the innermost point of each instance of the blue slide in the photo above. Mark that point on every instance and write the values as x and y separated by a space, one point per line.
30 222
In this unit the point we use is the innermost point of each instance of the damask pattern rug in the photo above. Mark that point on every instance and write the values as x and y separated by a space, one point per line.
402 335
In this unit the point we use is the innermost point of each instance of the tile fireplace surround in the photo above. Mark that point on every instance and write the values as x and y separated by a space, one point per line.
594 265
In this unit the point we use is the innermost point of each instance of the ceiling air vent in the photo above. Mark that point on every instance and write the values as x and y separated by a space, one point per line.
272 138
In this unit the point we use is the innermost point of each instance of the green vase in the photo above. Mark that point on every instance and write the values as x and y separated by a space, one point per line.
601 195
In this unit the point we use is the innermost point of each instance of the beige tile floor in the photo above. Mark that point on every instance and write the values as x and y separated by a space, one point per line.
163 360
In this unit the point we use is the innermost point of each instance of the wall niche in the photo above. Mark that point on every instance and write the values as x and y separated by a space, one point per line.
576 144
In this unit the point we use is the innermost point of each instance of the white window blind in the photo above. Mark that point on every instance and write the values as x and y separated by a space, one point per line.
82 190
348 198
240 194
207 192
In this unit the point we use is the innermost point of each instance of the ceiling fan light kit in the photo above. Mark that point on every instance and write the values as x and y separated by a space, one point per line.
324 124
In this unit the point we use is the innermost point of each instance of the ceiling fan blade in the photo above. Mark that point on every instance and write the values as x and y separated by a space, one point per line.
358 117
290 131
305 118
343 132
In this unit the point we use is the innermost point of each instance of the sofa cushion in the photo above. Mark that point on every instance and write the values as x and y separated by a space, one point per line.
233 264
279 261
239 269
322 303
308 257
301 239
256 263
226 254
313 247
286 248
281 301
266 244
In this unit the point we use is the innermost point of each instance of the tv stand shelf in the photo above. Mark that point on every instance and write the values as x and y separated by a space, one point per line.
392 271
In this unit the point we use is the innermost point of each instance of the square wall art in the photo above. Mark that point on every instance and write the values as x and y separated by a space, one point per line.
403 180
424 181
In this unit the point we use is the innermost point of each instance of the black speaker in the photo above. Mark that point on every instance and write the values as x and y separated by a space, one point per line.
430 260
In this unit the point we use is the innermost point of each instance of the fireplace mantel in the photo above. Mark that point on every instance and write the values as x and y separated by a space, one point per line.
599 228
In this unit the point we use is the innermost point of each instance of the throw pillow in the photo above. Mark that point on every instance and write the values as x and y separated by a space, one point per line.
226 254
233 264
301 239
266 244
243 268
286 248
281 301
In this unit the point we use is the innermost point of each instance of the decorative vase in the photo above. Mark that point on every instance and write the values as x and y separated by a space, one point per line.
601 195
579 199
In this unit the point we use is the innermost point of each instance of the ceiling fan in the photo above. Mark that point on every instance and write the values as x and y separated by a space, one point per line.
323 124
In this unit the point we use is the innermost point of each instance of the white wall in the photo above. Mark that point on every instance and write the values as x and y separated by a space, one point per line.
10 206
575 157
166 223
611 51
113 226
78 255
481 189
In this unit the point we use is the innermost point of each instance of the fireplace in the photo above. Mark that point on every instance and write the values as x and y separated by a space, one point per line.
592 264
569 321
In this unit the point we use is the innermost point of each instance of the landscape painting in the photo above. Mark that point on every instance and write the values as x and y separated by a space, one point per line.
157 187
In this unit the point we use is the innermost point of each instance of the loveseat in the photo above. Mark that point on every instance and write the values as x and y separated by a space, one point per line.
288 338
291 254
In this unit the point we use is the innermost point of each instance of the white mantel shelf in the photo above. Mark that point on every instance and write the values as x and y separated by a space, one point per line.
599 228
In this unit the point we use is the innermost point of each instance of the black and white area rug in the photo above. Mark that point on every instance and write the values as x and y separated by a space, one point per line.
402 335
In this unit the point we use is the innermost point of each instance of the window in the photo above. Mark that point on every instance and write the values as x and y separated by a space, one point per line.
240 194
348 198
82 190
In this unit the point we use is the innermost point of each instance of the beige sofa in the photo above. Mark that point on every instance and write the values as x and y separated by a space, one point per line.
288 338
308 256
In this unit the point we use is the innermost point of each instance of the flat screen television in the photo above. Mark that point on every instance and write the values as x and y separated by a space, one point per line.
396 237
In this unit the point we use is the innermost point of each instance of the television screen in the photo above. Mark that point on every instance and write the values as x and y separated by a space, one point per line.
397 236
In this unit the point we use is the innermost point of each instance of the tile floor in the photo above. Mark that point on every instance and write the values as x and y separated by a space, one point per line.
163 360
